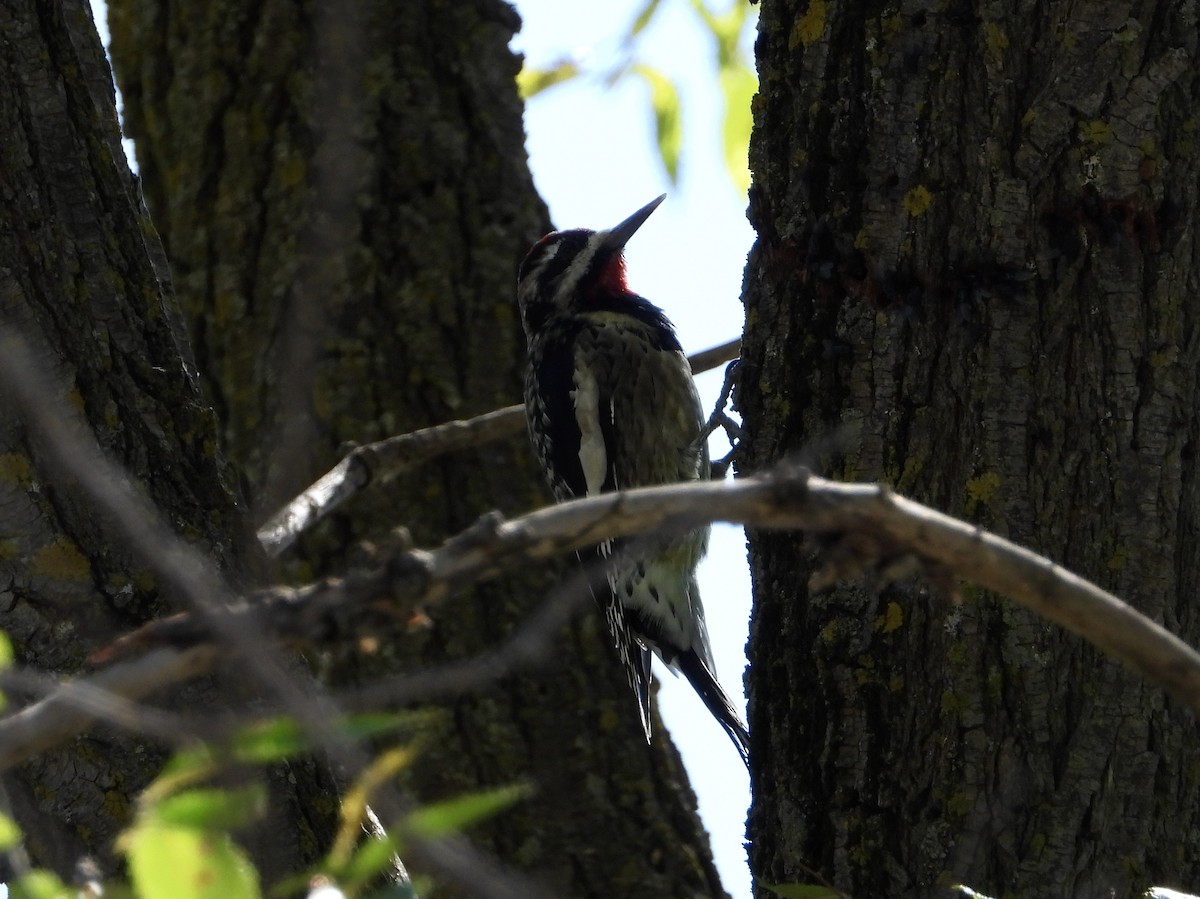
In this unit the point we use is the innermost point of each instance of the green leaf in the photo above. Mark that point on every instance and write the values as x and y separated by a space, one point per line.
668 117
738 84
168 862
213 809
183 769
643 19
455 814
531 82
281 738
10 834
804 891
726 29
709 20
39 885
728 32
271 741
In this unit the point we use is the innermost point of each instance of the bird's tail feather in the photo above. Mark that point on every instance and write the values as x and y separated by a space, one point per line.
704 682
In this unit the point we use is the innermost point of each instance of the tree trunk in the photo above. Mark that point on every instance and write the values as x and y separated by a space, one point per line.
81 282
344 197
974 280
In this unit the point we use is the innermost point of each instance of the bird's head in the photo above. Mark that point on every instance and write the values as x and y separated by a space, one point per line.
567 270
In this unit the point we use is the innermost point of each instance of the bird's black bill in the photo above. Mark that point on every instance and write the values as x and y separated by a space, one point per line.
619 236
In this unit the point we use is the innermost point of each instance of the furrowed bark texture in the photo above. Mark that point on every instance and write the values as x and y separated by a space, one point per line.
344 196
975 280
82 282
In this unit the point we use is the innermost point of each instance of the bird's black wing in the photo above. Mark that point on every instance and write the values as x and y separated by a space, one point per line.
550 414
571 424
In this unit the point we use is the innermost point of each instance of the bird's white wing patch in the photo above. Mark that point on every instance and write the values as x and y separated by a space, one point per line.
593 455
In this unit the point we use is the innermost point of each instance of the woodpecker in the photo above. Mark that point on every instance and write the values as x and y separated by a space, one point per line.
611 404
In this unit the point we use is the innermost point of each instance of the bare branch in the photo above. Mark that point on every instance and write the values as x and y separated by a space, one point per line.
706 360
378 463
109 695
881 524
381 461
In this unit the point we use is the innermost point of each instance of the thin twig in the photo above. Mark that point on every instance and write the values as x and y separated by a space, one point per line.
378 463
381 461
75 706
706 360
103 704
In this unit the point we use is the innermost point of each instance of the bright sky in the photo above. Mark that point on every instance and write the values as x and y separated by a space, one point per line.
594 160
593 155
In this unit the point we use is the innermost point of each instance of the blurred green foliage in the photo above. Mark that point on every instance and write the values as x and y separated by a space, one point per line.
734 77
181 844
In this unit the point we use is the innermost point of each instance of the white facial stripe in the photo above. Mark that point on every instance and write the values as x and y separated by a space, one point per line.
575 270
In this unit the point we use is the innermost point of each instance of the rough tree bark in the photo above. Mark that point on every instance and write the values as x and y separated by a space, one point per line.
975 280
79 284
344 197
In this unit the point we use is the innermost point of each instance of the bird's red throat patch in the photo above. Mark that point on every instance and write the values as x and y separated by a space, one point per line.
612 277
